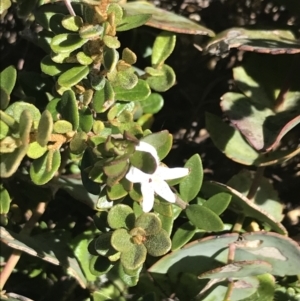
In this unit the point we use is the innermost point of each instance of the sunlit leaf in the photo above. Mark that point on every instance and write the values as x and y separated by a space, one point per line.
67 42
166 20
164 82
163 47
191 184
4 200
73 76
43 169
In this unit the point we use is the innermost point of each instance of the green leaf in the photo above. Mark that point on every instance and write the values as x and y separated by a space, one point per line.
149 222
73 76
100 220
67 42
117 10
129 56
152 104
4 5
240 204
161 141
239 269
143 161
191 184
126 79
111 41
279 41
4 200
44 168
116 191
45 128
160 18
9 163
116 170
134 257
80 243
121 216
183 260
79 192
103 98
266 197
182 235
164 82
129 280
139 92
218 202
230 142
165 213
204 218
7 82
103 245
25 125
62 127
69 108
40 246
15 110
163 46
78 143
110 58
121 240
83 59
244 289
48 66
266 287
87 161
4 98
55 24
91 31
280 251
35 150
129 22
85 119
158 244
99 265
72 23
4 129
257 113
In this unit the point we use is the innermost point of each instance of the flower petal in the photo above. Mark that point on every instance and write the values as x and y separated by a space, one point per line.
148 196
166 173
163 190
135 175
148 148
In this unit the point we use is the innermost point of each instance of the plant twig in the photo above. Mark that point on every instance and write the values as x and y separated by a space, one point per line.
16 254
251 193
229 291
69 7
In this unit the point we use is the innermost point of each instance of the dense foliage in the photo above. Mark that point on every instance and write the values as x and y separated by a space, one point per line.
77 137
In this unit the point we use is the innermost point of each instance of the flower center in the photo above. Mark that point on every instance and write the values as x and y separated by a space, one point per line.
138 235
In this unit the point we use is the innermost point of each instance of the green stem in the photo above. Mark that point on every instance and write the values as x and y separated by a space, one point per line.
229 291
250 196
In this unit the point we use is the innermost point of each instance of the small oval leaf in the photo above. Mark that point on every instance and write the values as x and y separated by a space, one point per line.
73 76
43 169
204 218
45 128
191 184
163 47
66 42
162 83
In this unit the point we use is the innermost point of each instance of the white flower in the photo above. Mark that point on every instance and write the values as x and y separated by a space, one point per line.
154 183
